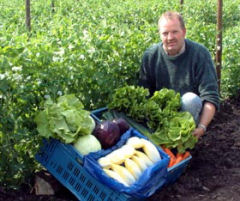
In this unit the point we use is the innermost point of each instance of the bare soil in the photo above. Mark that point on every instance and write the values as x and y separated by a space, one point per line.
212 174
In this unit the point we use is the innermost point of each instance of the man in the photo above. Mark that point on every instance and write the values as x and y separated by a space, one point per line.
185 66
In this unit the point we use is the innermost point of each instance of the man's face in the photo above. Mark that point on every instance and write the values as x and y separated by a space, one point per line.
172 35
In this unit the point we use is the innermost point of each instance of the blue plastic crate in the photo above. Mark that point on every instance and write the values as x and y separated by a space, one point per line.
174 172
177 170
65 164
97 114
151 180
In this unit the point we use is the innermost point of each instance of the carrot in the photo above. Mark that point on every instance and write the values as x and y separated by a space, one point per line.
171 155
179 158
186 155
168 152
171 162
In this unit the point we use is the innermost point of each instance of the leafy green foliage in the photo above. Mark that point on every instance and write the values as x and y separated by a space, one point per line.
131 100
160 113
65 120
176 132
230 82
168 100
87 48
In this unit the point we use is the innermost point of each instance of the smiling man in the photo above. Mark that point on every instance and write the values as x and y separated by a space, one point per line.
172 32
185 66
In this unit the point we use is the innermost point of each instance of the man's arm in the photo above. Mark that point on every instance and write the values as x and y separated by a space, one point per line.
206 117
146 79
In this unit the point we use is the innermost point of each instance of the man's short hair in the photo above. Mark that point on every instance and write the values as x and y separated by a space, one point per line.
171 15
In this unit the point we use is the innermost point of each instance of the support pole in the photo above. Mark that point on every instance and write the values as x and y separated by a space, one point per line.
218 58
53 6
28 15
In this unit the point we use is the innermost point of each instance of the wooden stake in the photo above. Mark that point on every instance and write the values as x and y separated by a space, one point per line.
28 16
218 58
53 6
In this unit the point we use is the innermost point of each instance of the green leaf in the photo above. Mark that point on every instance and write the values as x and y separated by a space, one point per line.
70 101
42 120
64 120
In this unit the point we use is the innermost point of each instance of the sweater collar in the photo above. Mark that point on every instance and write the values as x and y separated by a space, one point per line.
180 52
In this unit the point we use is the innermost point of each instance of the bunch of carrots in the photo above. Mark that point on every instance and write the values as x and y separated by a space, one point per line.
175 159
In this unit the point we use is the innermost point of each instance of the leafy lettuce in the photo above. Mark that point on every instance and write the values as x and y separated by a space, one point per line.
130 100
65 120
160 114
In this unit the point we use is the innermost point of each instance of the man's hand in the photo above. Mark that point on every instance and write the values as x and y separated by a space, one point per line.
198 132
206 117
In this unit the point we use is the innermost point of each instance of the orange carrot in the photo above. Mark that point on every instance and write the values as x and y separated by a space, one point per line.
171 155
179 158
171 162
168 151
186 155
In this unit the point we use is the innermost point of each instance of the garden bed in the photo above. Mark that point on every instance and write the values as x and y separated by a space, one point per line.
213 173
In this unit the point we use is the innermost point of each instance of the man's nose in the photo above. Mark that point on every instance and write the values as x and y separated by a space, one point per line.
170 36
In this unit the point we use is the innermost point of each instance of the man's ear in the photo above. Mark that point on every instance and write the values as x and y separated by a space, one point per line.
184 31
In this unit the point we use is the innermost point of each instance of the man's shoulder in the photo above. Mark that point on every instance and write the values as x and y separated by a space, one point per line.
195 45
153 49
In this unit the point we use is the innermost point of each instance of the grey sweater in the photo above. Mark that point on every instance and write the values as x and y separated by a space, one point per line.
191 71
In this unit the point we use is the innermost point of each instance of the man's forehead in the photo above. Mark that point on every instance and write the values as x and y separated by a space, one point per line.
167 22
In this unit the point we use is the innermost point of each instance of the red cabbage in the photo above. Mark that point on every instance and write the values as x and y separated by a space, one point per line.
108 133
122 124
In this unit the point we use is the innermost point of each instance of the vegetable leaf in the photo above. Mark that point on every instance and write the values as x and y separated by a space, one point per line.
65 120
167 125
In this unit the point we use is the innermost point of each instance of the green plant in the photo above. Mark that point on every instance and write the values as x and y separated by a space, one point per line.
168 126
88 48
230 82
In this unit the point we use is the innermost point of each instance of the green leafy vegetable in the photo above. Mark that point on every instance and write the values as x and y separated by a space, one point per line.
130 100
161 114
65 120
176 132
